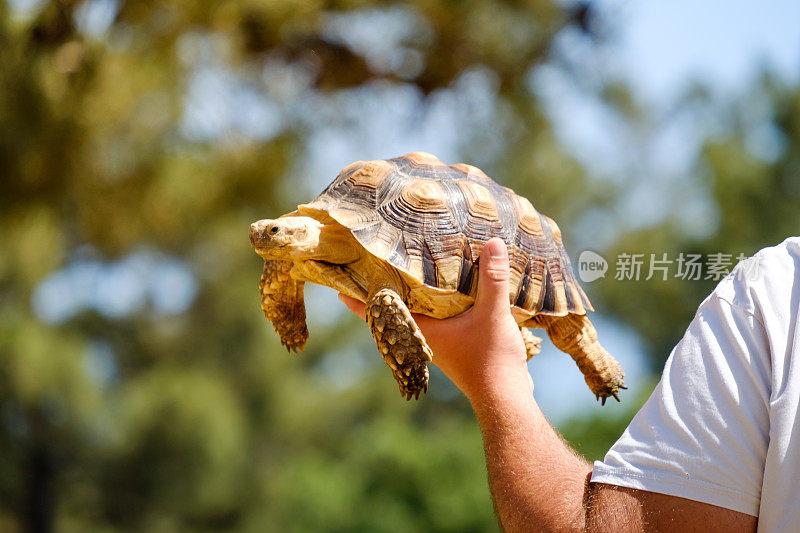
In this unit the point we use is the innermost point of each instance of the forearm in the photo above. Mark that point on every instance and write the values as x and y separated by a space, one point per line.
538 482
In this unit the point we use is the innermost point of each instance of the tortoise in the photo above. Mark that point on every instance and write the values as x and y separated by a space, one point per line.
405 236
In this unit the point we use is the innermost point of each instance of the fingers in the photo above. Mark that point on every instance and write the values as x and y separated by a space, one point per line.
492 297
493 279
354 305
424 322
434 327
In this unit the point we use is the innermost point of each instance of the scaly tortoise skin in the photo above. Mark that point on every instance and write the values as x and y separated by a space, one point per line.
405 235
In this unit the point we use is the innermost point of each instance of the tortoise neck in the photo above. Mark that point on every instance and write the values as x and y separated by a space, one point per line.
335 244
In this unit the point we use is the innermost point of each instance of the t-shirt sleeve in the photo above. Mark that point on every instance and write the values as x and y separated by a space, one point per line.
704 432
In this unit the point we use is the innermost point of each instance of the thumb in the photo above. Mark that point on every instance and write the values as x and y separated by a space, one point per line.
493 279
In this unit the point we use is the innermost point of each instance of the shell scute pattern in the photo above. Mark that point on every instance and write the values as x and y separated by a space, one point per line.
431 221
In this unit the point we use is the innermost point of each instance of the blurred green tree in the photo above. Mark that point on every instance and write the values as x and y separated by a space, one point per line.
747 175
140 388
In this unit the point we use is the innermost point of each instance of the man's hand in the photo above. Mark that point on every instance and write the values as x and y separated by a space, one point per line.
482 344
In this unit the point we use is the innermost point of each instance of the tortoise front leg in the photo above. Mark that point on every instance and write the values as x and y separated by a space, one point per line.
282 303
399 341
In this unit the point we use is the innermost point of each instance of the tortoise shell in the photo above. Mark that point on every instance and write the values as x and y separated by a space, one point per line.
430 221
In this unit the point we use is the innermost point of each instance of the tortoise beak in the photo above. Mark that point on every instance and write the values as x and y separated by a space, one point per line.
259 236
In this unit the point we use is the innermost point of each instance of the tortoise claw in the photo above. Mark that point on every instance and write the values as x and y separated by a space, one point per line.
614 394
603 401
293 347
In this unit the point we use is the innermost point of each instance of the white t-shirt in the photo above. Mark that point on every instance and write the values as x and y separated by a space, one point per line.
723 426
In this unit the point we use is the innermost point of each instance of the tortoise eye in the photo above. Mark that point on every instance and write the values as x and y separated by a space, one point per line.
273 230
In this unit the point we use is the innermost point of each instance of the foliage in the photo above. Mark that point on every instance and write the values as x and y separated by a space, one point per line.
126 405
592 436
748 171
140 388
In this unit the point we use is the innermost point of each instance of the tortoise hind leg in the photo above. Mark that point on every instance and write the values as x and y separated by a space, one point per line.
575 335
399 341
533 344
283 305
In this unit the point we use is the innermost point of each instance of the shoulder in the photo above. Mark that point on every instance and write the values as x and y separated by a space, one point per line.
766 285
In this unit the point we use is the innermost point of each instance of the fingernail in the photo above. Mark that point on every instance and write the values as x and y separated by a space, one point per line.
495 249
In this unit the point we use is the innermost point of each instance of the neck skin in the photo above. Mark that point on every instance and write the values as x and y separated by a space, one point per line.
333 244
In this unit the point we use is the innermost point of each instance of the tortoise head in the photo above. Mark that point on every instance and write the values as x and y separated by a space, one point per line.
285 237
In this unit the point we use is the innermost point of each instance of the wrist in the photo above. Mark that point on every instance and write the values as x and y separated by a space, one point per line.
499 384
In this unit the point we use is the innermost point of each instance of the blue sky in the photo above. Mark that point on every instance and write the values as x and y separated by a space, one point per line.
663 45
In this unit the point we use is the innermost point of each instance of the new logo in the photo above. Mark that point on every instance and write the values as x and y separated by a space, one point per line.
591 266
